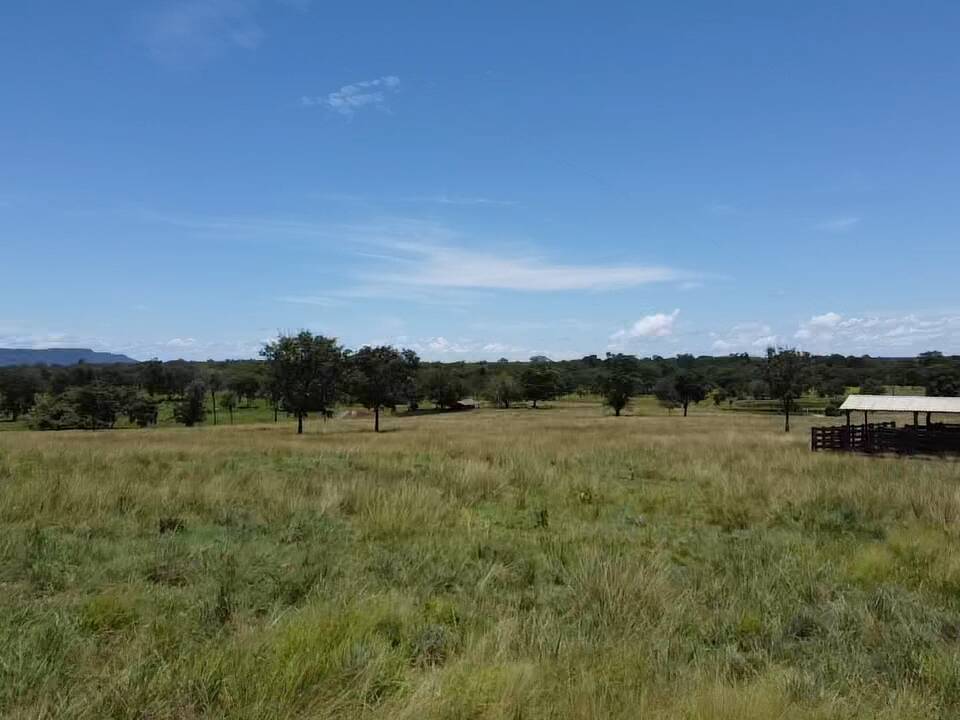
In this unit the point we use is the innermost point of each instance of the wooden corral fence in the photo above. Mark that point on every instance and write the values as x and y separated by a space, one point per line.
852 438
886 437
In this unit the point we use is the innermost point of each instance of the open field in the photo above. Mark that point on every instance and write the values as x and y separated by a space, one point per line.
520 564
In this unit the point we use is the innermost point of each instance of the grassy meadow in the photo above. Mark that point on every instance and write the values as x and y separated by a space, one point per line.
521 564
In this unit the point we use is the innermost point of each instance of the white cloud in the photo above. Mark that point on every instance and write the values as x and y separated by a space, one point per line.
316 300
181 342
465 200
424 259
818 325
749 337
451 267
649 326
351 98
839 224
723 209
38 340
192 30
902 333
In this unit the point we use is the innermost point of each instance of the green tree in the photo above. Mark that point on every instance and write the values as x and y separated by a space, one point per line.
872 386
379 376
96 405
691 388
152 376
229 401
786 372
191 408
214 385
52 412
665 390
142 410
305 371
442 388
19 387
539 382
617 387
943 383
504 390
245 384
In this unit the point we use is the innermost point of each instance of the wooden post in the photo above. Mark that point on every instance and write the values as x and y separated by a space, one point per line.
866 431
916 418
928 419
846 437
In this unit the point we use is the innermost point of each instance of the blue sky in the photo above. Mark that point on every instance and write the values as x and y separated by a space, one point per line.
477 180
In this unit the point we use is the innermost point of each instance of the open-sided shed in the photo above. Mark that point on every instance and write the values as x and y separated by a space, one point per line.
930 437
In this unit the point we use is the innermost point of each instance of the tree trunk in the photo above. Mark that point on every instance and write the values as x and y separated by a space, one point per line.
299 423
276 410
213 397
786 423
616 412
376 419
685 408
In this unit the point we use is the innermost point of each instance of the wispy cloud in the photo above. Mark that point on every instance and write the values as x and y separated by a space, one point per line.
315 300
840 224
911 332
751 337
356 96
724 209
464 200
408 257
192 30
457 267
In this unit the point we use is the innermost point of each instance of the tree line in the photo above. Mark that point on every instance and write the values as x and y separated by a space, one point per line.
303 374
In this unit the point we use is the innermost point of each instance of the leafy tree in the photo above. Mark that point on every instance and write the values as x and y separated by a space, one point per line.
191 409
504 390
305 371
152 376
378 377
52 412
872 386
831 387
178 376
412 391
142 410
690 389
943 383
96 405
539 382
245 385
229 401
665 390
442 388
617 387
786 372
19 387
759 389
215 385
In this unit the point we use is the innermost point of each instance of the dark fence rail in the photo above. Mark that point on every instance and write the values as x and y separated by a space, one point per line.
860 438
886 437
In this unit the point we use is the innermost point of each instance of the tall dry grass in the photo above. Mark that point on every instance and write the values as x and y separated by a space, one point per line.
519 564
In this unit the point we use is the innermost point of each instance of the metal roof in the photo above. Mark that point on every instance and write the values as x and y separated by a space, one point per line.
902 403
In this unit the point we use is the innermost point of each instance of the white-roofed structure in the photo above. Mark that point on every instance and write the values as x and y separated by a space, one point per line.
902 403
886 436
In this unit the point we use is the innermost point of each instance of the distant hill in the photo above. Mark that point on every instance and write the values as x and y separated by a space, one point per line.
59 356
